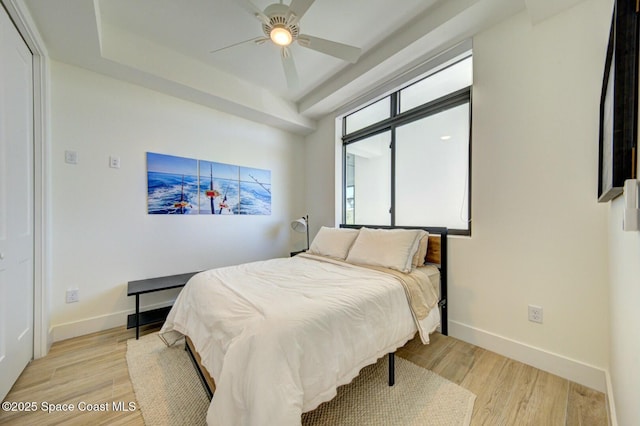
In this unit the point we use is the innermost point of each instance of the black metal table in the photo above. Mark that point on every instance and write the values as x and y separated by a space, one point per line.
150 285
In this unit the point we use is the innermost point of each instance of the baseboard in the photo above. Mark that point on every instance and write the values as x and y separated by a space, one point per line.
610 401
94 324
570 369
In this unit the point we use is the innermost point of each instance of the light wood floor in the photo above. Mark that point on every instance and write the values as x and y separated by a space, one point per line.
93 369
508 392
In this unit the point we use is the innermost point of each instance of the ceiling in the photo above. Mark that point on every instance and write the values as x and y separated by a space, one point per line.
166 45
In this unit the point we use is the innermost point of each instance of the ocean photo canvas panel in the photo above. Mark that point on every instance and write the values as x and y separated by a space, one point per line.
255 191
172 184
219 188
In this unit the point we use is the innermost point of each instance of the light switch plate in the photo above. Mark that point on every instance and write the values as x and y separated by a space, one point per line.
71 157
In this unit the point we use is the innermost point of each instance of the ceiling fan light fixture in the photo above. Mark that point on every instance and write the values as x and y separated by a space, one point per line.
281 36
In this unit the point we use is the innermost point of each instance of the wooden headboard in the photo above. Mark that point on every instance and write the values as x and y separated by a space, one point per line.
436 254
434 249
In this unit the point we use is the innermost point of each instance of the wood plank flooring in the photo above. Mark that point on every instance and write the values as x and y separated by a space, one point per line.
508 392
93 369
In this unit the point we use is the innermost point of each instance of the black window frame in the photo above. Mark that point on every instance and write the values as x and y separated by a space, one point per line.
395 120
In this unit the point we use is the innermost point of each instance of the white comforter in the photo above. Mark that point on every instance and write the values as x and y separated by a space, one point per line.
279 336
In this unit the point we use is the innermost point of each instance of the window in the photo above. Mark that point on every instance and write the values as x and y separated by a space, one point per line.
369 115
406 157
367 176
456 77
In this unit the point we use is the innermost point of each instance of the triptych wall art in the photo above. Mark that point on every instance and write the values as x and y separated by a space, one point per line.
178 185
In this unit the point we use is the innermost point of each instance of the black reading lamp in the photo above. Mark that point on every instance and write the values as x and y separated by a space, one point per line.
302 225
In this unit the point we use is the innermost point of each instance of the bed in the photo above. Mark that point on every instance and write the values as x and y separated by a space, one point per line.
276 338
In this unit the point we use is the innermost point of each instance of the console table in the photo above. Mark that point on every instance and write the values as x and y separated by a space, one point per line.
150 285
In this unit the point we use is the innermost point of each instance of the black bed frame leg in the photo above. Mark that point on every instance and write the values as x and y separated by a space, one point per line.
392 369
200 374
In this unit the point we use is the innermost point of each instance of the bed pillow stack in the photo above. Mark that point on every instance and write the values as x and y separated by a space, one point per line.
389 248
399 249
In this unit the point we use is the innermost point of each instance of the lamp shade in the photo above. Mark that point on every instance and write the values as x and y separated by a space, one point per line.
302 225
299 225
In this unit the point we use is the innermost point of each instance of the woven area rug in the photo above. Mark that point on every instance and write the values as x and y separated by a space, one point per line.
169 392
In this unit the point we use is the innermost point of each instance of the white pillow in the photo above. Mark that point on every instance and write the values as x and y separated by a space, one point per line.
333 242
389 248
421 253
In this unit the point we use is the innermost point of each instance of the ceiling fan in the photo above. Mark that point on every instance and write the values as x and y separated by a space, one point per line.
280 25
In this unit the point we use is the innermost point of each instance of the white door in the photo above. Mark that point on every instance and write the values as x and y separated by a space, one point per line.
16 204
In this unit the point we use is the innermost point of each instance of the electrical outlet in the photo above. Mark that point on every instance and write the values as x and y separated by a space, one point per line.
114 162
535 314
73 296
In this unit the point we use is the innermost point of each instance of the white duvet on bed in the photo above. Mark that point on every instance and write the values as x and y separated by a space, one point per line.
280 336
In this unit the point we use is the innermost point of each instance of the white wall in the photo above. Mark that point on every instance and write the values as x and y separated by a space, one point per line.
538 234
102 234
624 260
323 173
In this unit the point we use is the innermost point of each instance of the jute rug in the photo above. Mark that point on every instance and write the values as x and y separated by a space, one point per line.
169 392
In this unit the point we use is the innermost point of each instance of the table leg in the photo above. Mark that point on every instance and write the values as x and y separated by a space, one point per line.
137 316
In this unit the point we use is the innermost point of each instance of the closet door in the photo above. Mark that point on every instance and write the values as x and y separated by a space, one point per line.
16 204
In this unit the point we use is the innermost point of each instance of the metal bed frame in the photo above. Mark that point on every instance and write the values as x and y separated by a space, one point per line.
437 257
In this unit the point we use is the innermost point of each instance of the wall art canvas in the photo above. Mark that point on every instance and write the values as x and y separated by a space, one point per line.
172 184
178 185
219 188
255 191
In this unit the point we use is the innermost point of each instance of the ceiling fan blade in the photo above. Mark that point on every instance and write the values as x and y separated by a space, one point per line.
257 40
298 8
290 72
254 10
332 48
